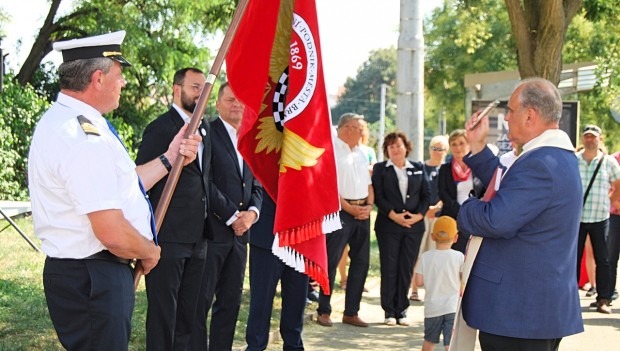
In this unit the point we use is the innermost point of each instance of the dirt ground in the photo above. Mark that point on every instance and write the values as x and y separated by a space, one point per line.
602 332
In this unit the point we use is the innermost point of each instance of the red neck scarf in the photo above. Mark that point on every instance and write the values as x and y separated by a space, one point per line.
458 173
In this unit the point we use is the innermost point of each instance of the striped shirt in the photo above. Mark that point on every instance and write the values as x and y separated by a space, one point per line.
596 208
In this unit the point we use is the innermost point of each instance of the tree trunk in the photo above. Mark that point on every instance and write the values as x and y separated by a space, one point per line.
539 28
41 47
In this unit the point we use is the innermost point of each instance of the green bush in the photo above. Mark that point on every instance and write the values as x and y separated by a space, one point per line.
20 109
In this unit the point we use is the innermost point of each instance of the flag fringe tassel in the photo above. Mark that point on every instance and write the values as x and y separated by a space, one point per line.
301 264
310 230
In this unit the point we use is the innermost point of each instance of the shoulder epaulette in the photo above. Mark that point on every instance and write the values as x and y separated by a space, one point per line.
87 126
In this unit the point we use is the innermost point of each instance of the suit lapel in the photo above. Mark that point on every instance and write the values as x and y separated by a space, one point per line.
203 130
176 119
220 129
391 171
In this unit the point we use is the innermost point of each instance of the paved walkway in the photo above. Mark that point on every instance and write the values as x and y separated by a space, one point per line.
602 332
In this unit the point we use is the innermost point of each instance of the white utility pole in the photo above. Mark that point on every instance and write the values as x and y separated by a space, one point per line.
410 76
381 123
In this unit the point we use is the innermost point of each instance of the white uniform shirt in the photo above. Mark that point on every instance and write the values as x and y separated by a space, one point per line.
72 174
352 170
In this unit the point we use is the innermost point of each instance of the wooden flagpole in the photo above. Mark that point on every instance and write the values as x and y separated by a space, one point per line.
201 105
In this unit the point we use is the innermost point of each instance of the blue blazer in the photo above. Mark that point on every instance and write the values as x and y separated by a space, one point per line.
388 197
523 282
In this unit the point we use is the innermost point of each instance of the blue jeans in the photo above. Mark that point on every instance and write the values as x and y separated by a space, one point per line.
433 326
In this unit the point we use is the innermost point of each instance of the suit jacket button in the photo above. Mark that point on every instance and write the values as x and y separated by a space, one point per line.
241 204
243 185
407 196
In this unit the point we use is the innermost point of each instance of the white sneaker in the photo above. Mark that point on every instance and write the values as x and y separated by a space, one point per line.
390 321
403 321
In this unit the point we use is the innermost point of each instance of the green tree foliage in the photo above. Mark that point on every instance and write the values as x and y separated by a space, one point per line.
162 36
362 94
592 38
20 109
462 40
475 36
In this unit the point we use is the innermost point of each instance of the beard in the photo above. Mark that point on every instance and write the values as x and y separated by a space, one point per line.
187 103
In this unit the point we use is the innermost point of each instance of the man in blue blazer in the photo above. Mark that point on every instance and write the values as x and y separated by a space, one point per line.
266 270
522 293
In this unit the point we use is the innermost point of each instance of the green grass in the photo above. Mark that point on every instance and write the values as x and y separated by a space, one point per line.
24 319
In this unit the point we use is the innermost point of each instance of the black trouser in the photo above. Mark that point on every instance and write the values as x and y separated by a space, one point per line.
357 235
172 290
491 342
598 236
397 253
266 270
222 285
90 302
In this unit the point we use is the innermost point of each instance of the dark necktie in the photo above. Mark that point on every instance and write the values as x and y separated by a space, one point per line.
146 197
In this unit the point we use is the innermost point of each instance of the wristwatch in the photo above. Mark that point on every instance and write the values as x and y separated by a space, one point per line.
165 162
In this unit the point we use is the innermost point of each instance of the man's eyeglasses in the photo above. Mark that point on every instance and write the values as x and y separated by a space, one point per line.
195 87
435 148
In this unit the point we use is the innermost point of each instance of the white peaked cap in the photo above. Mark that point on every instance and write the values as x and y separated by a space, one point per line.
105 45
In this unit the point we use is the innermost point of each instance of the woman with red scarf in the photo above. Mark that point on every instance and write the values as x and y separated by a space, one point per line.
456 181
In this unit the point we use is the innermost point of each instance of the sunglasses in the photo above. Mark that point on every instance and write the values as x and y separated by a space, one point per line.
435 148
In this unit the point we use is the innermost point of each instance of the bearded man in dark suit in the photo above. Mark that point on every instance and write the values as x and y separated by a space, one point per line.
173 286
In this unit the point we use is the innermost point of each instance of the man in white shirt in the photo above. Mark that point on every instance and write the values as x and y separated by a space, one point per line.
87 197
356 202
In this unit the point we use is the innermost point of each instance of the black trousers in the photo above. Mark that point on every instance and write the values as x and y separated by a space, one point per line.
598 236
222 285
172 290
266 270
613 242
397 253
90 302
357 235
491 342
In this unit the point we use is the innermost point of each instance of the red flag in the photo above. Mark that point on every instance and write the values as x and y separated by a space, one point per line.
274 67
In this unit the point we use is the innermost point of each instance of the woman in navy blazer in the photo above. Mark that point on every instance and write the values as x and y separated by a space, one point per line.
402 196
457 182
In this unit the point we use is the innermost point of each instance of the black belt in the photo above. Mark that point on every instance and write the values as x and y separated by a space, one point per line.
358 202
104 255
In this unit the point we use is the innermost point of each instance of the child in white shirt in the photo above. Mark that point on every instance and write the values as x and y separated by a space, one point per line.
439 270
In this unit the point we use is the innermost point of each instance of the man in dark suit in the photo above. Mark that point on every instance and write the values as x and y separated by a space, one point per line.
235 199
522 293
173 286
266 269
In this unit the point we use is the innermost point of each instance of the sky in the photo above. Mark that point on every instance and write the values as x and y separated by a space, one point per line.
349 30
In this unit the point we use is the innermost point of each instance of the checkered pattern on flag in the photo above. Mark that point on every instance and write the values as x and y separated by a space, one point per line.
274 67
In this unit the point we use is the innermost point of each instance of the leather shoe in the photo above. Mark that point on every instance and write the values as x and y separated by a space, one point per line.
354 320
603 306
324 320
